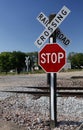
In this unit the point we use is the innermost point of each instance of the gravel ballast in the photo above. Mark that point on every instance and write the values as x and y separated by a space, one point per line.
32 113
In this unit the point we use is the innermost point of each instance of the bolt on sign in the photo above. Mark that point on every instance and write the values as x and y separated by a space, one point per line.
58 19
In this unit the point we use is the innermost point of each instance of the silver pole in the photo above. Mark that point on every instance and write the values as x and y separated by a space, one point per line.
52 89
53 96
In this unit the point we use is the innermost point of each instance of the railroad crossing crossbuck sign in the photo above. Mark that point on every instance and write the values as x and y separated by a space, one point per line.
44 20
50 28
52 58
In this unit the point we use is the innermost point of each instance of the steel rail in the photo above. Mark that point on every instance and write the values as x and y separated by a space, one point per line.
69 88
60 94
71 94
45 88
29 92
58 88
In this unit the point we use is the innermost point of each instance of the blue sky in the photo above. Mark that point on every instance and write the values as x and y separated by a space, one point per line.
19 27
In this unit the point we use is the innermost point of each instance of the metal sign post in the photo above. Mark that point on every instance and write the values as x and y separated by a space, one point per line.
53 96
52 78
53 85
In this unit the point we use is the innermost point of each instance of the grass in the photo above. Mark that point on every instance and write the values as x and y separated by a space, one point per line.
37 72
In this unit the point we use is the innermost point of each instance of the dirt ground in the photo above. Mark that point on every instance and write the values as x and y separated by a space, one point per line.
9 126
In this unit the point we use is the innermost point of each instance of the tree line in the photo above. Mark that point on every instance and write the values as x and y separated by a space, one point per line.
16 61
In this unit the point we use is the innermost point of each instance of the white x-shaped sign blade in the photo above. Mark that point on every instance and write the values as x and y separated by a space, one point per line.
44 20
58 19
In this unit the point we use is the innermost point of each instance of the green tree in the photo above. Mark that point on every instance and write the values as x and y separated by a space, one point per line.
12 60
4 62
76 60
18 61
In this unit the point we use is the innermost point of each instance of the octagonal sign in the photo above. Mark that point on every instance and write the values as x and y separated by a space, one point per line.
52 58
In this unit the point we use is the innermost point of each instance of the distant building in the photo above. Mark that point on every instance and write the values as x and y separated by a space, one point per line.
67 66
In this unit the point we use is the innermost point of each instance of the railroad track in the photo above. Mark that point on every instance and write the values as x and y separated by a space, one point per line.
61 91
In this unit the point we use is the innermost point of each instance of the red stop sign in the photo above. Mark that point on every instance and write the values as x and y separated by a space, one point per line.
52 58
